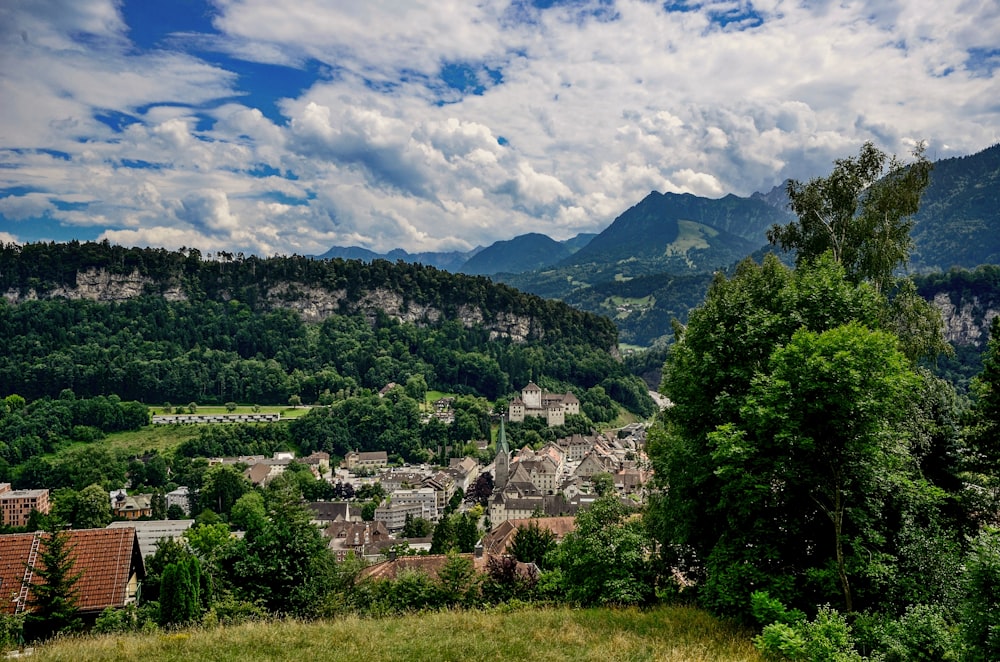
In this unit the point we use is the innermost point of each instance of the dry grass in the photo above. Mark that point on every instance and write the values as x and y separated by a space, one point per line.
670 634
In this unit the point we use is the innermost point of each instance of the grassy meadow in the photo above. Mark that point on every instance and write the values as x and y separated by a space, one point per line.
670 634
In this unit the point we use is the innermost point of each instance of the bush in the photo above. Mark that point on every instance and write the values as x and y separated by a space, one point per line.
128 619
11 631
789 636
923 633
981 609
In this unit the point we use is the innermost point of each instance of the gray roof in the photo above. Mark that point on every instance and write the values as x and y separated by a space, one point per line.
151 531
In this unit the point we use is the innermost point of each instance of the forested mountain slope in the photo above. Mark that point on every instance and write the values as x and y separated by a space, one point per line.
156 325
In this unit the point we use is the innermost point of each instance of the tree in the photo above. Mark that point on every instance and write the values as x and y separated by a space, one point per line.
285 564
982 457
416 527
861 213
231 406
223 485
481 489
294 401
827 410
168 551
52 595
248 512
788 454
531 543
981 610
416 387
604 560
180 602
92 508
457 579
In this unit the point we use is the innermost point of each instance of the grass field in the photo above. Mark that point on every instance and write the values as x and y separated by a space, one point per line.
165 438
670 634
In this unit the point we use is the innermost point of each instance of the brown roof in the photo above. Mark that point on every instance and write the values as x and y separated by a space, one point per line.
431 564
107 558
258 473
502 536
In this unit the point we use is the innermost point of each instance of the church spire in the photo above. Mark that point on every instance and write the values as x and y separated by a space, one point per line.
501 468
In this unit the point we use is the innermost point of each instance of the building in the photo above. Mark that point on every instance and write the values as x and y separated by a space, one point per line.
150 532
501 537
131 507
426 497
553 407
431 565
369 460
401 479
180 498
393 515
362 538
109 562
16 505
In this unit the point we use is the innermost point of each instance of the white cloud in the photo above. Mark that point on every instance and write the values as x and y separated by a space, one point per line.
580 110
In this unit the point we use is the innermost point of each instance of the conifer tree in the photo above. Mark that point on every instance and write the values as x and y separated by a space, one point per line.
52 594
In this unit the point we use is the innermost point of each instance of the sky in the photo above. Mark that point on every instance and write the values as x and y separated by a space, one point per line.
289 127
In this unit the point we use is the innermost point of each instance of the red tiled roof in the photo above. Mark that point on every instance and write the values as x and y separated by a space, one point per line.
107 558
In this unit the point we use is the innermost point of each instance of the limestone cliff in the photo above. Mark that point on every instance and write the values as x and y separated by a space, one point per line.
967 318
314 304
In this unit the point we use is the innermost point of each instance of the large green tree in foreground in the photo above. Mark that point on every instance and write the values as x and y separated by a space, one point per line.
790 460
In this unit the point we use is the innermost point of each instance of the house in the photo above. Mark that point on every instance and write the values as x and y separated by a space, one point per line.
598 460
575 447
443 486
463 471
326 512
16 505
539 472
368 460
131 507
319 462
501 537
180 498
513 505
362 538
430 564
258 474
109 562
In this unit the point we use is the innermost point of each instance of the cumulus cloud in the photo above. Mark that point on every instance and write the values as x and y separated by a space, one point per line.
440 126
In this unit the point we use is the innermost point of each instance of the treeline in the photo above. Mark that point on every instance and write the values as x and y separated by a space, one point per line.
29 429
45 266
157 351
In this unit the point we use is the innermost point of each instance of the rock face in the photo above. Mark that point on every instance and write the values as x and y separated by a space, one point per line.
312 303
100 285
967 322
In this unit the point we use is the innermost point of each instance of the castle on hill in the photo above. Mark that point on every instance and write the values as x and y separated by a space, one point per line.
553 407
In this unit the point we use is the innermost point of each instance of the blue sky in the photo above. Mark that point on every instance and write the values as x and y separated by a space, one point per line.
268 127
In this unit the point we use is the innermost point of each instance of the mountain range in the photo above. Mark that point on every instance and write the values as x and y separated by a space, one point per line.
655 260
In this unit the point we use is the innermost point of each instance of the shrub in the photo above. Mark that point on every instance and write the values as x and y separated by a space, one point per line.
923 633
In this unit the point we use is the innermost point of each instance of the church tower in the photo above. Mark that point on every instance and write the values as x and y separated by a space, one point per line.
501 469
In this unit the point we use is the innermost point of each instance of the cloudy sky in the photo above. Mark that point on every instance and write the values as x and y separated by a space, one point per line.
289 127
